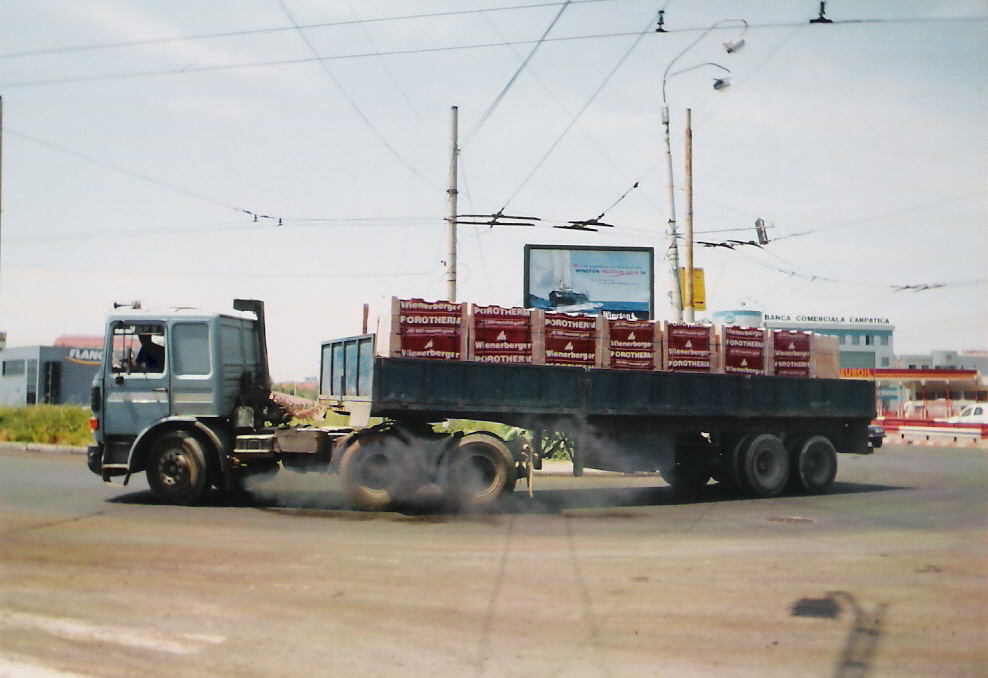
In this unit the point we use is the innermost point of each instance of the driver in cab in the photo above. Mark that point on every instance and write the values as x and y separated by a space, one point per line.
151 357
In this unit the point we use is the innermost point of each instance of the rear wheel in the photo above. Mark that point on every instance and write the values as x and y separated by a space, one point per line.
376 472
481 472
176 468
762 465
814 464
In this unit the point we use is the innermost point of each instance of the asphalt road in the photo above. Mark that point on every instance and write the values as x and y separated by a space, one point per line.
597 576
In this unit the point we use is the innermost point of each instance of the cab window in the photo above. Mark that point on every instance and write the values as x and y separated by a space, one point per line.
191 349
138 348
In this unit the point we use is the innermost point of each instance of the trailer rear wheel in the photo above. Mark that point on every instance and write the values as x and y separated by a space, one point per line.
762 464
481 472
376 472
176 469
814 464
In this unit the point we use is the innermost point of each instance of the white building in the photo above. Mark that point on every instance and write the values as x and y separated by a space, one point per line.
865 342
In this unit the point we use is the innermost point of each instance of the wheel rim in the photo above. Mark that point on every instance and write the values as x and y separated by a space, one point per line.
477 473
816 466
174 469
767 465
376 471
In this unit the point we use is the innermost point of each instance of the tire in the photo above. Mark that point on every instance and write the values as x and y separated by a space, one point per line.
177 470
481 472
376 472
814 464
762 465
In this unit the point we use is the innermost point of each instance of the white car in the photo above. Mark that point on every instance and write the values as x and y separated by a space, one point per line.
972 414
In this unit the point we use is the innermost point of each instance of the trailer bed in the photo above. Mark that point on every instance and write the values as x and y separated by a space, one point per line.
352 376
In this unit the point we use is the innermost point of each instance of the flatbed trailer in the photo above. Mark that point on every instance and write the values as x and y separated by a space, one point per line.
761 434
184 396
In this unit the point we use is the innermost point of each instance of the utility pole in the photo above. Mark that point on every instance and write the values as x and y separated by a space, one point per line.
451 211
688 310
1 186
672 253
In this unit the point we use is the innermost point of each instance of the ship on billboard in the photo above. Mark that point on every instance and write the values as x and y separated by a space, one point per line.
580 279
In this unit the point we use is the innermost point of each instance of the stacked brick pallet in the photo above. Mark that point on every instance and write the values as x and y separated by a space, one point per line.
442 330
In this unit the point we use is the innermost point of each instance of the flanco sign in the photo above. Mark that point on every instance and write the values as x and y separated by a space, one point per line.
853 320
85 356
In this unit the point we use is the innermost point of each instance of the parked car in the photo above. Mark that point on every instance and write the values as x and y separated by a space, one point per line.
972 414
876 435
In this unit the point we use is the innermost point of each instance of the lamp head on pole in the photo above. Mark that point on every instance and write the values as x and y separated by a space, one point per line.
734 45
721 84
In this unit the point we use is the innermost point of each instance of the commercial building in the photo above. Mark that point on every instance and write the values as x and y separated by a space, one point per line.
865 343
57 375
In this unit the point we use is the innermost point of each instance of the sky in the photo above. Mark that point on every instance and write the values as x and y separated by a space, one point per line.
298 151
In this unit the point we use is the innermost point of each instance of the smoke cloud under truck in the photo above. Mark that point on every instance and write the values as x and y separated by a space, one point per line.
203 417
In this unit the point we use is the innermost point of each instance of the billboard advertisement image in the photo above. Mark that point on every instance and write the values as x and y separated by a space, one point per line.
579 279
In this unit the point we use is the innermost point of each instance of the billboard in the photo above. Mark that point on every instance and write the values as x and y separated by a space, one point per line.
586 279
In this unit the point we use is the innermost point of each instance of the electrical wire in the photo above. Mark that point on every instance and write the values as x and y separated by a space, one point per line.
514 77
128 172
280 29
884 215
384 63
353 104
402 52
617 66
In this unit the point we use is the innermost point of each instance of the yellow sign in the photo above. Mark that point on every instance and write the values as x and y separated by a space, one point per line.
699 292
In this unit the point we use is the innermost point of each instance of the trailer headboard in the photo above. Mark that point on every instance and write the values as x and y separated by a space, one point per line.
347 367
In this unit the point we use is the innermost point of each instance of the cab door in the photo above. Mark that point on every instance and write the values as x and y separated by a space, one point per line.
137 379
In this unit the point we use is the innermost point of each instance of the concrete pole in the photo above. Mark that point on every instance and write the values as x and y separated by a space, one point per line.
672 255
1 183
688 311
451 211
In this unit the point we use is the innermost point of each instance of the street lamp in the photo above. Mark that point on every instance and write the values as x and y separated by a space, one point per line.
720 84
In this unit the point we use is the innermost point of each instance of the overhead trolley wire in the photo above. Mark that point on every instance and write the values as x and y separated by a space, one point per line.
504 90
280 29
617 66
353 104
401 52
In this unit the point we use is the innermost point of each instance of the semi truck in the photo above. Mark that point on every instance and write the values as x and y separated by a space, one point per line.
184 396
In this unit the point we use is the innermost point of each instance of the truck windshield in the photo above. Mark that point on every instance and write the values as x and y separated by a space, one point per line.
138 347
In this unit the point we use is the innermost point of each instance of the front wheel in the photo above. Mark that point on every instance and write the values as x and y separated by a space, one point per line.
176 469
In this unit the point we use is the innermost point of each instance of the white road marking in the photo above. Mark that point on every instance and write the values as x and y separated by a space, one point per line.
11 667
77 629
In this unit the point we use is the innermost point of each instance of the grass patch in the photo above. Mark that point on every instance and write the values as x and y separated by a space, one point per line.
49 424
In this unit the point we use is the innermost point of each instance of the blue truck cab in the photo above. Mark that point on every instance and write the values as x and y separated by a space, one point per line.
183 380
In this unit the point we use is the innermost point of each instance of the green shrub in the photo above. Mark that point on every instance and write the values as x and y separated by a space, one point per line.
555 445
52 424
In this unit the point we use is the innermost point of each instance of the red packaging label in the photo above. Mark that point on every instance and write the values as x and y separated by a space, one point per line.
632 345
570 340
689 348
429 329
792 353
502 335
744 350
